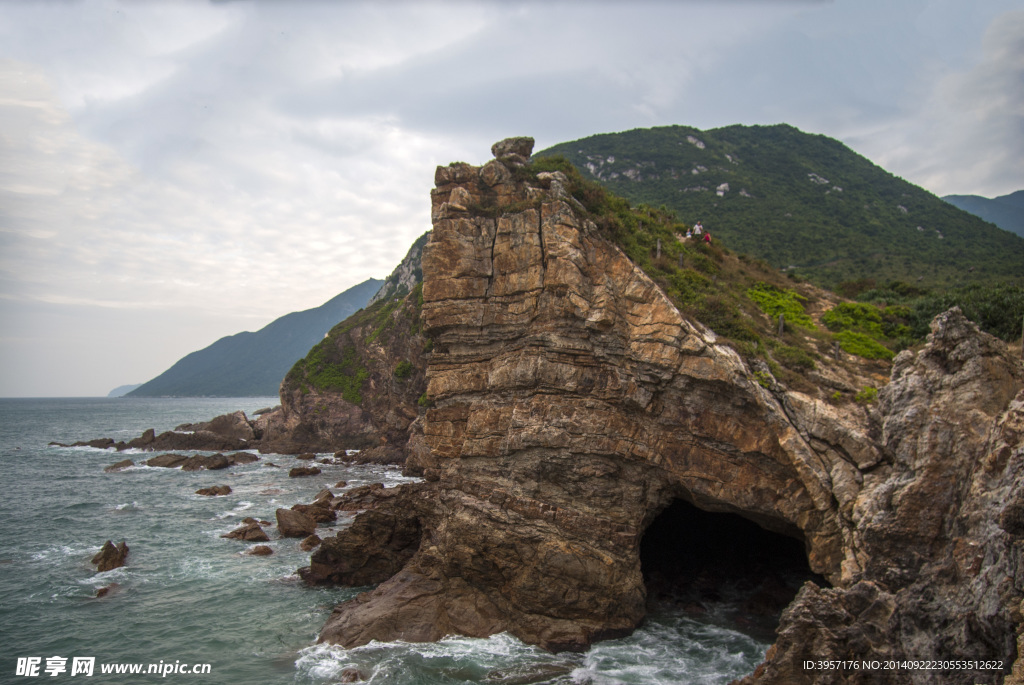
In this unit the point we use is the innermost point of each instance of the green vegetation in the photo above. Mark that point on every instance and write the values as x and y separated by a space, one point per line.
403 369
802 202
793 358
326 368
866 395
998 309
863 345
334 364
774 301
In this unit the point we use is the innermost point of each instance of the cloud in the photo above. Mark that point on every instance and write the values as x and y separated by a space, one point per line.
965 133
227 163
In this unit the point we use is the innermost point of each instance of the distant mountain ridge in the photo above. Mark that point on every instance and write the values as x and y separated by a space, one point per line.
1005 211
252 364
122 390
799 200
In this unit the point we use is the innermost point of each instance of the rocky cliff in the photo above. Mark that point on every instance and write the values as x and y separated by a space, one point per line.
572 403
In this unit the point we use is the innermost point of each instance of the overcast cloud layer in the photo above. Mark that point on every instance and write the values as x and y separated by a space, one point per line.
171 173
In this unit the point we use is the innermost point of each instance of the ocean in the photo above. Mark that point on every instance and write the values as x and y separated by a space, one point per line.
189 599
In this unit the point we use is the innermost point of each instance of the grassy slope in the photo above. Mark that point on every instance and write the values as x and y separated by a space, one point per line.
802 200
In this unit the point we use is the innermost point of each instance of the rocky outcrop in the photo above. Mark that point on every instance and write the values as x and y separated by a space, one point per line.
932 568
199 462
261 551
294 524
111 556
215 491
250 531
119 466
572 403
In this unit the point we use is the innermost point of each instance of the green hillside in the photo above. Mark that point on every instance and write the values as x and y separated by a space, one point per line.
253 364
804 203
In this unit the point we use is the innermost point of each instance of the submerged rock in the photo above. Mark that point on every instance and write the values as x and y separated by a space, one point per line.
301 471
260 551
106 590
111 556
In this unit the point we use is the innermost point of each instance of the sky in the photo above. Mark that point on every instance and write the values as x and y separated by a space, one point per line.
174 172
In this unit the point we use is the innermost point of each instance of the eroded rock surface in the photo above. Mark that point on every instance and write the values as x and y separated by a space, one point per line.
572 402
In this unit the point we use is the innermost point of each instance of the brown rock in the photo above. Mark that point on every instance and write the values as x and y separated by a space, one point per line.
110 556
352 674
363 497
106 590
250 531
212 462
341 484
294 524
306 456
215 491
310 543
300 471
321 513
260 551
169 461
119 466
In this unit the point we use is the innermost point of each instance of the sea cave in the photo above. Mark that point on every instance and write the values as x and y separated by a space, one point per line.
721 567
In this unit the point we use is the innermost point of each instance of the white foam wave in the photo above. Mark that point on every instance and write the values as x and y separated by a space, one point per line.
453 659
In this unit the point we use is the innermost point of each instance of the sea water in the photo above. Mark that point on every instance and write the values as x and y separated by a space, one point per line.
188 597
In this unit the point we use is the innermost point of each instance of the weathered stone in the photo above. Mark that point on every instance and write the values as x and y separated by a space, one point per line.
250 531
119 466
215 491
320 512
301 471
170 461
294 524
111 556
261 551
310 543
212 462
518 148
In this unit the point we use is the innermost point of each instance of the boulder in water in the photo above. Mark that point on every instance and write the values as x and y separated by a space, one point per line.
110 556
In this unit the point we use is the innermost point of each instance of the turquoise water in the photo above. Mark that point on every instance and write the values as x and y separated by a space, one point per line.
189 596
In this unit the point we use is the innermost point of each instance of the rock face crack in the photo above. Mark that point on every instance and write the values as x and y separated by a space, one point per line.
572 402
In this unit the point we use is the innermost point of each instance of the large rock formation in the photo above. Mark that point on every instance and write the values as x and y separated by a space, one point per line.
572 403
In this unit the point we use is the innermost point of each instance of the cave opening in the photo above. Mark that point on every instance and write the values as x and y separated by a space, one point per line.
722 568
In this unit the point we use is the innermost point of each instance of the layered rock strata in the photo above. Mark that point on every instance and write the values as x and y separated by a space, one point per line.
572 403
